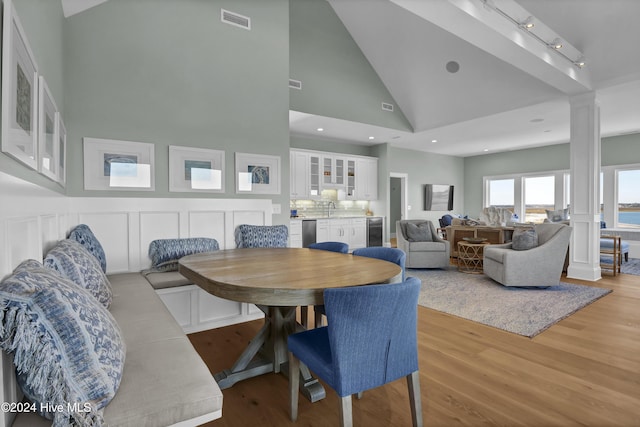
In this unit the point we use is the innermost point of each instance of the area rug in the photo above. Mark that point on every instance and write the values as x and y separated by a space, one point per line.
521 311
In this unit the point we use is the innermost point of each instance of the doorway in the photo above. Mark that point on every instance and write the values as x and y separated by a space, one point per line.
397 200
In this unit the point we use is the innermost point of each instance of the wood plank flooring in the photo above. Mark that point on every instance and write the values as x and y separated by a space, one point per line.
583 371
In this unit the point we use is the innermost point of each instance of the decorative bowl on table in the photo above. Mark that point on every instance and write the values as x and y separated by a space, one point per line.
474 239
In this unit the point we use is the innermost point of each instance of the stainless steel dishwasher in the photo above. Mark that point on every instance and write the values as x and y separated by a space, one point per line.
308 232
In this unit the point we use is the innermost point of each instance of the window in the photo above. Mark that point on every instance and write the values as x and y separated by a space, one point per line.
629 198
539 195
501 193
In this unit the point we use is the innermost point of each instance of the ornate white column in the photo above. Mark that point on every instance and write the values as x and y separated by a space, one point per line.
584 252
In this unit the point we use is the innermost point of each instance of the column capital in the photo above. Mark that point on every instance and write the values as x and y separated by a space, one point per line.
586 98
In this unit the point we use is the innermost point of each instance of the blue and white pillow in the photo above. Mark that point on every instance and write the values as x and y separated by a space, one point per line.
165 253
83 235
67 348
261 236
74 262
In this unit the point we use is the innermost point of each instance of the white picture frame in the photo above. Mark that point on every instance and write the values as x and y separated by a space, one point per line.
116 165
257 174
47 137
19 91
61 133
198 170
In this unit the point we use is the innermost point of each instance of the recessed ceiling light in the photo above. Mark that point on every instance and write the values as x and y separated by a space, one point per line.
372 137
485 150
433 141
320 129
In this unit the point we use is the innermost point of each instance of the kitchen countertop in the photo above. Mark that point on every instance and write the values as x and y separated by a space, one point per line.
336 217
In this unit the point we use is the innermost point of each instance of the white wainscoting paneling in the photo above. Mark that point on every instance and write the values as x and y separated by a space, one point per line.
33 218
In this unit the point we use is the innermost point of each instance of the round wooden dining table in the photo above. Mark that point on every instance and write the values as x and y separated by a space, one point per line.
278 280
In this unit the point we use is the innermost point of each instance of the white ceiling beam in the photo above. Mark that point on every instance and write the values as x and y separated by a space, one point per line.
485 28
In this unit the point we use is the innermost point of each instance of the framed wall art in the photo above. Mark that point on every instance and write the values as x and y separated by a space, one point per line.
257 174
196 169
19 91
118 165
61 133
438 197
47 138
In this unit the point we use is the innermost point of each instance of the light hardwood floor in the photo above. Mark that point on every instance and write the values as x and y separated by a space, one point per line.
584 370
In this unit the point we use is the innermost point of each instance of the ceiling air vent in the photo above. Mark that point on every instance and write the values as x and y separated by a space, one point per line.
387 107
295 84
233 18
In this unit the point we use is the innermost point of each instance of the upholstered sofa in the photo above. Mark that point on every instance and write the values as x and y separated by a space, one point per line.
157 378
426 251
540 266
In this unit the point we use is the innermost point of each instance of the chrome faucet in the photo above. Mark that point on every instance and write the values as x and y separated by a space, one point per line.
329 205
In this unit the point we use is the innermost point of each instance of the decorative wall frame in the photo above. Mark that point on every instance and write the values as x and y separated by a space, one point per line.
118 165
257 174
47 137
19 91
61 133
196 170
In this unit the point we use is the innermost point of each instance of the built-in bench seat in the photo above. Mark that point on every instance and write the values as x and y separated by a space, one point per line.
165 381
165 280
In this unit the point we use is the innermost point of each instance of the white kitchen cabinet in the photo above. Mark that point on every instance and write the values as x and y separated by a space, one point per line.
299 175
350 193
366 179
356 177
295 233
314 176
333 172
339 231
322 230
358 233
352 231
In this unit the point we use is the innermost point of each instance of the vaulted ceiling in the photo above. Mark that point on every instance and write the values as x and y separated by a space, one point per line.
510 91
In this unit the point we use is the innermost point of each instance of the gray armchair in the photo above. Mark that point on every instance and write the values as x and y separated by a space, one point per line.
430 252
537 267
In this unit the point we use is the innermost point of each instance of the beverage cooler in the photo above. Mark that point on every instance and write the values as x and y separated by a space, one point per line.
374 231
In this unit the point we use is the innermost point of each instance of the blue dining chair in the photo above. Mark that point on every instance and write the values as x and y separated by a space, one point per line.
361 348
394 255
339 247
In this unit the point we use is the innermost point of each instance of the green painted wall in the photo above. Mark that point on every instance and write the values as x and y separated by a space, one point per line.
617 150
171 73
42 20
337 80
428 168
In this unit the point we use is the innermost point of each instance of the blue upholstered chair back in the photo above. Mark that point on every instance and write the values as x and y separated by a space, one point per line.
372 334
395 255
343 248
261 236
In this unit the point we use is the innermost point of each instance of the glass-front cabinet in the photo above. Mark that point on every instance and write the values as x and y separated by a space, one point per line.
332 171
351 179
355 177
314 176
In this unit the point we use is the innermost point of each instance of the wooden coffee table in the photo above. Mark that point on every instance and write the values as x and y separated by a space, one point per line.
470 257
